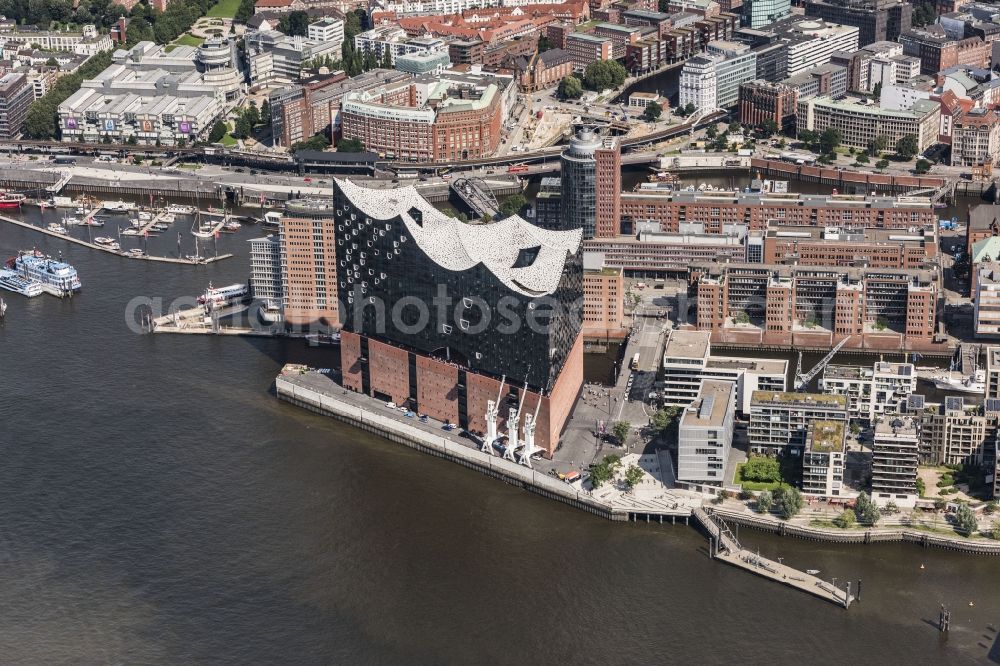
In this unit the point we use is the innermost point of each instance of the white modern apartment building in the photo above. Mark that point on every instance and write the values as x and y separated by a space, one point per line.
265 270
698 82
327 30
779 421
861 122
276 58
895 456
712 80
396 41
687 361
823 459
987 300
870 392
705 434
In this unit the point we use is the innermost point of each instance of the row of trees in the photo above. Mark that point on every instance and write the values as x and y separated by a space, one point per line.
102 13
786 501
604 471
151 24
42 114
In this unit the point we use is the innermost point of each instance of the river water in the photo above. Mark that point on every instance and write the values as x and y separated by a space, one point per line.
161 506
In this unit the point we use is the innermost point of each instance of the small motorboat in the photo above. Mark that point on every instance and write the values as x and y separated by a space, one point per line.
56 228
812 572
130 232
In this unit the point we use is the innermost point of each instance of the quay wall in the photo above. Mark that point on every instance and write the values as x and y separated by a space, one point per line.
874 535
844 179
439 447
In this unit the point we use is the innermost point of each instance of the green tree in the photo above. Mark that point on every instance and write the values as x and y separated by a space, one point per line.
877 145
243 128
252 114
597 76
995 530
665 417
769 128
570 88
789 503
218 131
761 469
907 147
965 520
294 23
845 520
544 44
315 142
633 475
712 131
921 487
765 500
881 165
877 91
350 146
862 159
513 205
620 430
923 14
922 166
604 471
652 112
829 140
245 12
808 137
865 510
265 113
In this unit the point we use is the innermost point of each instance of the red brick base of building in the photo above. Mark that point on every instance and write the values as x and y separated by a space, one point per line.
439 393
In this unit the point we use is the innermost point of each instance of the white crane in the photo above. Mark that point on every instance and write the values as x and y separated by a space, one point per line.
802 380
512 426
530 421
492 411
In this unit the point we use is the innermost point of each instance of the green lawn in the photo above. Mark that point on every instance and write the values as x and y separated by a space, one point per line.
755 485
228 140
187 40
223 9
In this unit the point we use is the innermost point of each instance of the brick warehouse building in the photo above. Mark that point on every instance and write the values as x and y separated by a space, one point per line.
891 309
395 252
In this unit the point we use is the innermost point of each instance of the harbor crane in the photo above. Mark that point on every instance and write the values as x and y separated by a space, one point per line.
492 411
802 379
512 426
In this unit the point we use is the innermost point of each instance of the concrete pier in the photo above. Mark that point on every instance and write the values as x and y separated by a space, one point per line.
727 549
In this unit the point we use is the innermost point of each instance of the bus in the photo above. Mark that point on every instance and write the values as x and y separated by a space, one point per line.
635 362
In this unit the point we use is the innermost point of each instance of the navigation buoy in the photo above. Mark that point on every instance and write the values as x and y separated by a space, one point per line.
921 565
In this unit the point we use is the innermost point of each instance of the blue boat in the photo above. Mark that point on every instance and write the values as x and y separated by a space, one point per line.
56 277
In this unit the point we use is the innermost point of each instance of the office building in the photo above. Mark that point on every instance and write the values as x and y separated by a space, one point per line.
313 105
399 258
992 353
811 43
817 306
871 392
779 422
938 52
308 242
738 65
585 48
975 139
913 248
895 456
327 29
986 290
395 41
876 20
761 13
276 58
687 361
698 82
86 41
265 271
761 101
603 302
16 95
828 80
620 36
823 459
860 123
452 116
548 203
705 434
656 254
719 211
591 184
